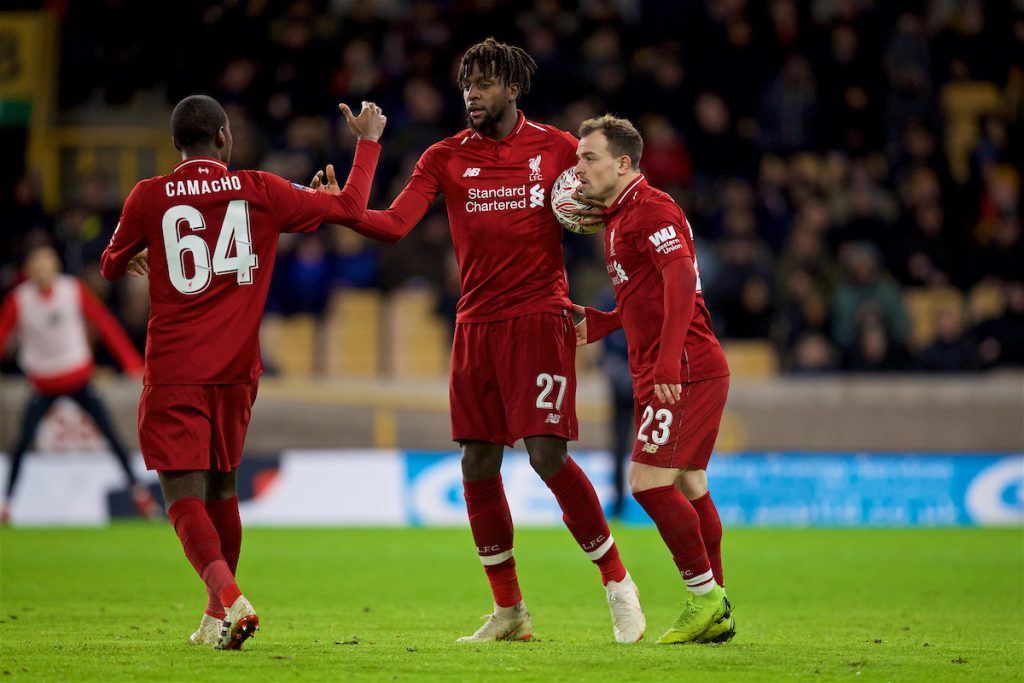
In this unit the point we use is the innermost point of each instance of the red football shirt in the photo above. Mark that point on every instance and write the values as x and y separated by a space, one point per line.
212 237
507 241
646 231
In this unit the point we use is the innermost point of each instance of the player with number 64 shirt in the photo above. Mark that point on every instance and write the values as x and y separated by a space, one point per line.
207 236
680 375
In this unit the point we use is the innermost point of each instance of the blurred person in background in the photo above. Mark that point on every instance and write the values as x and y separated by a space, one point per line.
51 314
953 349
513 371
864 285
1001 339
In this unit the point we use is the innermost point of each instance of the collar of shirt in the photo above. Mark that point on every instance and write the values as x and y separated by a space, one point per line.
628 194
508 139
201 160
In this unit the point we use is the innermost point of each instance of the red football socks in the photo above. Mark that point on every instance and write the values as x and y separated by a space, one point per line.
711 532
202 548
491 524
582 513
223 514
679 526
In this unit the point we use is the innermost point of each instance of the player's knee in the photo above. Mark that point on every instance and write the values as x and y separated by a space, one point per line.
692 483
643 477
547 461
481 461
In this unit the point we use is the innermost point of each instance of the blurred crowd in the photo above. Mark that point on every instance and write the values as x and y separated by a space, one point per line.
841 161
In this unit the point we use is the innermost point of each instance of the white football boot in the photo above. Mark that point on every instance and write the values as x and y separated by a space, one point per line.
240 623
208 632
505 623
628 620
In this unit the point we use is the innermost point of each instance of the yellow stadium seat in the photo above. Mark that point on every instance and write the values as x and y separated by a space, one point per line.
419 339
751 359
353 333
984 302
922 305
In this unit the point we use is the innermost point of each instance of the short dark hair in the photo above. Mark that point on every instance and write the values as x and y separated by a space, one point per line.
623 137
196 120
508 63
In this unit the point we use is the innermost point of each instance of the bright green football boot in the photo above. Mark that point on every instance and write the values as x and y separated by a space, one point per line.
698 615
722 631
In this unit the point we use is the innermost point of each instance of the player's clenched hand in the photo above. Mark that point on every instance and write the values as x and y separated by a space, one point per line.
139 264
590 216
328 183
581 326
369 124
668 393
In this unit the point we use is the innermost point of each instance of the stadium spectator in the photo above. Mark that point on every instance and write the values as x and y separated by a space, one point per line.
51 313
864 292
953 349
1002 338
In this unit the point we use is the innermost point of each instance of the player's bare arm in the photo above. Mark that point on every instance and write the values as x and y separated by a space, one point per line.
138 266
668 393
581 326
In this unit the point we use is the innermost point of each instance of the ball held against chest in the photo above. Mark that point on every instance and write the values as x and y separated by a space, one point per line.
562 204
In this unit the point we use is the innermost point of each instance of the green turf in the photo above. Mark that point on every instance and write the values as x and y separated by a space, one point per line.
385 605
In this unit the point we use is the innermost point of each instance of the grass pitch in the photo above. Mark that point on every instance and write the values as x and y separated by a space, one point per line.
386 605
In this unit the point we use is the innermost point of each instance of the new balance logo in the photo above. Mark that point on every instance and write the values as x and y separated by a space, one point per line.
650 448
536 195
471 172
663 235
535 173
553 418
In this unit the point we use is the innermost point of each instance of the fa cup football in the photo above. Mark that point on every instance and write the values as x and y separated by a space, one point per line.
562 204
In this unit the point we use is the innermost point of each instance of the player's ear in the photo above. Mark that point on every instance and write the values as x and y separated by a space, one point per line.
513 91
175 141
222 138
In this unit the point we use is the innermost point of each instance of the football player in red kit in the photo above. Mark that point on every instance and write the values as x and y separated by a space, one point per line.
513 356
680 376
208 236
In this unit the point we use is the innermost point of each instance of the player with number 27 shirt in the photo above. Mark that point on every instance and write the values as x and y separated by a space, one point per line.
208 236
680 376
513 372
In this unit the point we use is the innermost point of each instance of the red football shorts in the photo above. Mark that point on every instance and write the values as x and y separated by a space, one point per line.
681 436
514 378
194 426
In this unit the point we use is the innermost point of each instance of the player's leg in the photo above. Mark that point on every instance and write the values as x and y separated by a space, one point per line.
231 408
666 446
582 514
222 507
90 402
35 411
693 483
478 424
491 524
185 493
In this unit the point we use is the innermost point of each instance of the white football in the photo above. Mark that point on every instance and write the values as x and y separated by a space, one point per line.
562 204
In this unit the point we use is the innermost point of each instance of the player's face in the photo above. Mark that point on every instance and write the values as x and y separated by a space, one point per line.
487 101
42 267
598 170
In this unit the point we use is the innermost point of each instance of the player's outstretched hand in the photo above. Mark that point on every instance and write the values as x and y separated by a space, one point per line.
369 124
581 326
326 182
668 393
139 264
594 215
